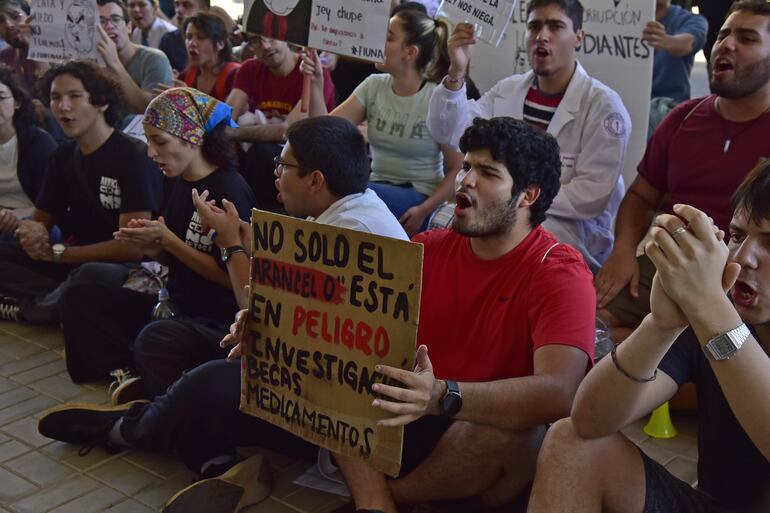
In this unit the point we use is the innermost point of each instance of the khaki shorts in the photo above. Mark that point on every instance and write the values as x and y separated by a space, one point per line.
630 311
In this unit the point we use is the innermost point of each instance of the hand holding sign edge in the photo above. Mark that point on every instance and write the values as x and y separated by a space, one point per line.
420 397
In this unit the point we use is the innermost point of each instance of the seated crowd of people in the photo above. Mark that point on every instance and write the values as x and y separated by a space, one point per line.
506 407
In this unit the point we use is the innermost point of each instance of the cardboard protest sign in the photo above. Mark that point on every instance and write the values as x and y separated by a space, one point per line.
64 30
356 28
612 52
490 17
328 304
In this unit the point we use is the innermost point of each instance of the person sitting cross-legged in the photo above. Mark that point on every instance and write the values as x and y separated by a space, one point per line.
322 174
695 333
93 185
107 328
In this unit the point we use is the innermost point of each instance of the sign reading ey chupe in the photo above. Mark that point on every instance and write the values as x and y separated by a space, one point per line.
356 28
328 304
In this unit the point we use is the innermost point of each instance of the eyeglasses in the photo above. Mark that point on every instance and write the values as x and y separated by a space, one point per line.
12 16
115 19
279 165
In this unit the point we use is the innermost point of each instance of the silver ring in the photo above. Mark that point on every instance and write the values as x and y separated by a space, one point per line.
679 231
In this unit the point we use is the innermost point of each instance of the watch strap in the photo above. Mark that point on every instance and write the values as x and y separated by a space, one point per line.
227 253
725 345
452 401
452 387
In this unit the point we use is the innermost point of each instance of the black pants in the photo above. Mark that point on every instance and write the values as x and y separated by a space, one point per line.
257 167
107 327
39 285
198 419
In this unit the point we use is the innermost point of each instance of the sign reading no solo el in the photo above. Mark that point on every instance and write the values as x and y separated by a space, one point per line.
327 305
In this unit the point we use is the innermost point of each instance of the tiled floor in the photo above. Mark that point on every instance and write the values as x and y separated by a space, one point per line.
38 475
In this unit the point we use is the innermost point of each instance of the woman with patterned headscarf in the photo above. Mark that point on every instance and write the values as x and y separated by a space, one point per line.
184 130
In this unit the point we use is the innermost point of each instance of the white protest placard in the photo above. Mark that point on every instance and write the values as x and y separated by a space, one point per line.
64 30
612 52
489 17
356 28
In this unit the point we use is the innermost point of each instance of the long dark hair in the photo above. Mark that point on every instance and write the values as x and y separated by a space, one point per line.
213 28
430 37
24 116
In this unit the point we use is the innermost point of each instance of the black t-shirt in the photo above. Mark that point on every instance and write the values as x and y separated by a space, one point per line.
87 193
194 295
730 467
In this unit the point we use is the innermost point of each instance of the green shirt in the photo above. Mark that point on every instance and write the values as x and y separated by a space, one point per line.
403 150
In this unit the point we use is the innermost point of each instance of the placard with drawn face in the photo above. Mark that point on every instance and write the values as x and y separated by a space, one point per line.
64 30
287 20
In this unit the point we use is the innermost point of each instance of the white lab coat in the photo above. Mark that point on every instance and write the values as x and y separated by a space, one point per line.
592 127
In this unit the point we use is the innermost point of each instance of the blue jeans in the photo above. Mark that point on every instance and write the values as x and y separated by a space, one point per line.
399 199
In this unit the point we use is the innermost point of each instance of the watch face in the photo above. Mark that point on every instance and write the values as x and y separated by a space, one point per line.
723 345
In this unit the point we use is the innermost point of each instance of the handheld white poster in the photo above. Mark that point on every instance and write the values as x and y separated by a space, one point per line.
356 28
64 30
489 17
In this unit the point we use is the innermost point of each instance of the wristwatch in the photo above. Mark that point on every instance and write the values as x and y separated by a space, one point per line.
452 400
58 251
725 345
227 253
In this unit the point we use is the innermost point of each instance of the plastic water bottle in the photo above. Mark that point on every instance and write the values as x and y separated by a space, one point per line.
604 342
165 308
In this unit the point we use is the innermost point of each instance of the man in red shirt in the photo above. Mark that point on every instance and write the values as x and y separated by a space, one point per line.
697 156
506 332
505 310
272 84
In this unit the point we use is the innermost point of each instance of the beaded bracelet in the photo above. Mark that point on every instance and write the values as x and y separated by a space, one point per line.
626 373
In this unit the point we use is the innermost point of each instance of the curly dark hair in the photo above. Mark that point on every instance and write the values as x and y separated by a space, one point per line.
101 85
24 116
530 154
